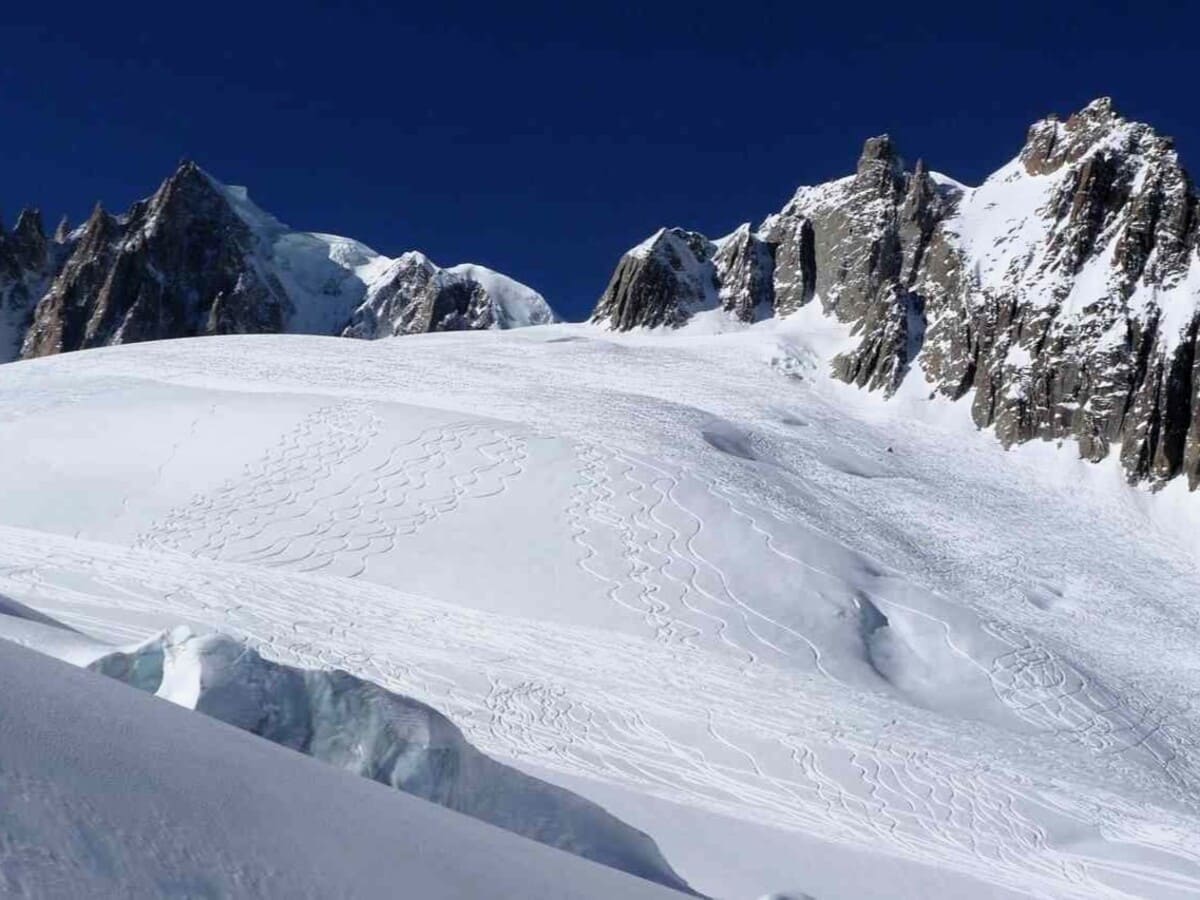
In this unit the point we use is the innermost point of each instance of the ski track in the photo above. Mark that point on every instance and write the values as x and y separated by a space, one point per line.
613 708
254 557
715 698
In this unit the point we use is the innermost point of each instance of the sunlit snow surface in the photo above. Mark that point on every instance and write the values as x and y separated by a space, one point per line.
853 641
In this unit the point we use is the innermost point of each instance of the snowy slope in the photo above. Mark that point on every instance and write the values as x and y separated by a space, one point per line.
856 642
108 792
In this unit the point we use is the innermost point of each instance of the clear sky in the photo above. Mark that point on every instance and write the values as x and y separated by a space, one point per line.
545 139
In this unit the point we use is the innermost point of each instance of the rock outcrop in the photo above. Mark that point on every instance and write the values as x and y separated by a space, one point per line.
27 262
198 257
744 267
179 265
413 295
662 281
1062 294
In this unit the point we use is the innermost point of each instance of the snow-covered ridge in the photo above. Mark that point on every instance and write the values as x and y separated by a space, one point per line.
331 278
1084 251
516 304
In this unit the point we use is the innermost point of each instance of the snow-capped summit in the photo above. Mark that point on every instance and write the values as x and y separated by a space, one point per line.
411 295
200 257
1064 291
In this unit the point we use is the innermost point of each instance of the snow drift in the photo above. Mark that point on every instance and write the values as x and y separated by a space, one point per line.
395 740
109 793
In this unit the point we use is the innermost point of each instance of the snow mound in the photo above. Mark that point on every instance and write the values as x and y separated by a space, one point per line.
362 728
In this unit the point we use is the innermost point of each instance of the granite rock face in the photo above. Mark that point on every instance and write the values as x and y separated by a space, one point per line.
744 267
27 262
198 257
412 295
662 281
1061 296
179 265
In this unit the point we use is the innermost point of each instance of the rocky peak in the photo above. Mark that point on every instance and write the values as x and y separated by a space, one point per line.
199 257
661 281
177 265
28 240
414 295
101 227
1063 293
25 264
880 169
1051 143
1075 315
189 199
744 268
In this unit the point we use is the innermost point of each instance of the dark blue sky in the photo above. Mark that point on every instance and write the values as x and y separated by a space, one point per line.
544 139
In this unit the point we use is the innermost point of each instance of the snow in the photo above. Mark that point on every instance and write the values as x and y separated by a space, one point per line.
1005 229
518 306
1018 357
108 792
756 612
351 724
1000 225
646 247
327 276
356 726
1179 306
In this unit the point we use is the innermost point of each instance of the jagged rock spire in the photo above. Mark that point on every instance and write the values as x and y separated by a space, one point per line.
28 240
879 165
1061 293
29 225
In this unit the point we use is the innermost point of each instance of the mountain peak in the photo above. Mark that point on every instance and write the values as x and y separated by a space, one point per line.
29 239
29 223
1100 109
189 177
879 148
1067 302
879 165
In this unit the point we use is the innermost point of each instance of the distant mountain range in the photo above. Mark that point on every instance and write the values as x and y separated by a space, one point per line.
198 257
1062 294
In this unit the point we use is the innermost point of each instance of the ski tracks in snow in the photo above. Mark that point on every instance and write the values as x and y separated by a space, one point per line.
771 746
731 703
310 504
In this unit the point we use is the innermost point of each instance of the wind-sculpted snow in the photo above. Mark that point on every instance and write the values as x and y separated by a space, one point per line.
357 726
111 793
739 588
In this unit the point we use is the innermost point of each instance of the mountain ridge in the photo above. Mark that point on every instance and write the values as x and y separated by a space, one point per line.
1063 291
199 257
